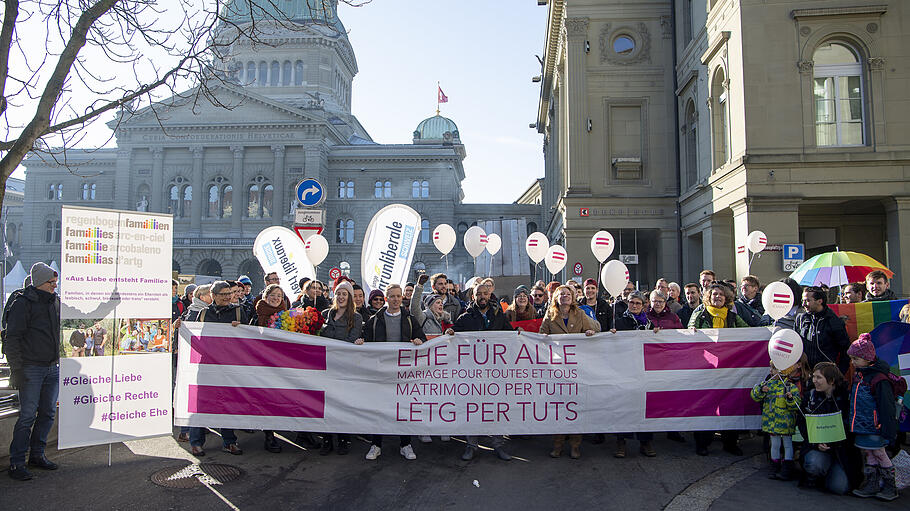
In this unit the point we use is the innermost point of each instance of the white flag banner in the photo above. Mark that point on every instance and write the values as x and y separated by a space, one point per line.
471 383
388 247
280 250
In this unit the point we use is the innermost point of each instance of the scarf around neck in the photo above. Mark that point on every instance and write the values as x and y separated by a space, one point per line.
718 316
264 311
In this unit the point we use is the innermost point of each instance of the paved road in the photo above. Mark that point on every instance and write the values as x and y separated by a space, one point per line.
438 479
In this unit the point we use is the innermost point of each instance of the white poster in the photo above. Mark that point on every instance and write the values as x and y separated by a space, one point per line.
388 247
115 261
99 405
471 383
281 251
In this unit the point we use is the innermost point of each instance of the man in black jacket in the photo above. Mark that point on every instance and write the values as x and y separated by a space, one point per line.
392 323
879 287
824 335
32 346
222 310
479 316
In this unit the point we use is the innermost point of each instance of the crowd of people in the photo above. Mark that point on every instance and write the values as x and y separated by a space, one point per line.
835 373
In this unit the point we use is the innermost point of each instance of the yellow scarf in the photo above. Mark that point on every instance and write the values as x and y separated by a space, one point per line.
718 316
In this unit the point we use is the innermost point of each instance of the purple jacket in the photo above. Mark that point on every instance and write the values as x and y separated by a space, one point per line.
666 319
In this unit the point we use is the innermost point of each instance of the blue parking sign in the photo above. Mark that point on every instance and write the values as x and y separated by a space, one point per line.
310 192
793 255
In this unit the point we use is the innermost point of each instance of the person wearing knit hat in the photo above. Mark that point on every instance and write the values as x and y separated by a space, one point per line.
872 419
346 286
375 301
32 348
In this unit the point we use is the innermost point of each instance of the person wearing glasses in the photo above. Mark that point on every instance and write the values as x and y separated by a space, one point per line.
269 279
539 298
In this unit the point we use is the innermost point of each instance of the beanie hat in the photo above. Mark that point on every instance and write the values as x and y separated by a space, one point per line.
41 273
590 282
245 280
347 287
190 288
432 297
522 289
374 293
862 348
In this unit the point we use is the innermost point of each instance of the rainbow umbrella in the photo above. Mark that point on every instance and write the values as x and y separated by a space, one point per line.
837 269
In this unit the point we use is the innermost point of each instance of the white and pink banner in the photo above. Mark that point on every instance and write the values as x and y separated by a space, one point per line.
471 383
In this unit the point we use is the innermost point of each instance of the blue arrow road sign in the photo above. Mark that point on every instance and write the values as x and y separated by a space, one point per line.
310 192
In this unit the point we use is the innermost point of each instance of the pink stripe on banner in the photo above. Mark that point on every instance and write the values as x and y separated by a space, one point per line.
234 351
674 356
256 401
700 403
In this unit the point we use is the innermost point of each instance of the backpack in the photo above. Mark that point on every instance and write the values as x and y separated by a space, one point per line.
898 383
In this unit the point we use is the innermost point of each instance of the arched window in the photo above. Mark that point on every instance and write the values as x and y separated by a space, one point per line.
424 189
142 197
255 194
720 119
691 144
387 189
298 72
173 200
531 228
85 191
93 189
345 189
263 78
187 206
51 191
424 231
253 202
213 202
286 73
838 90
57 231
227 193
209 267
274 75
12 235
462 228
349 228
378 191
250 77
415 189
345 231
48 231
59 191
268 192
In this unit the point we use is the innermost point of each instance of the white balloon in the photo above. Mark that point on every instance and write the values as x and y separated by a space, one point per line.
785 348
473 281
614 276
494 243
556 259
602 245
756 241
316 249
444 238
777 299
536 246
475 240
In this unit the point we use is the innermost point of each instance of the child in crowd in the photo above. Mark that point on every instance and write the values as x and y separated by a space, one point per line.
780 400
872 418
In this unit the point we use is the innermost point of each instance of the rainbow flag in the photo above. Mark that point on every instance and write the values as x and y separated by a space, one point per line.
864 317
892 344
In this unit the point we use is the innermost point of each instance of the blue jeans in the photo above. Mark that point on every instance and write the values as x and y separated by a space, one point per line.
197 437
823 465
37 407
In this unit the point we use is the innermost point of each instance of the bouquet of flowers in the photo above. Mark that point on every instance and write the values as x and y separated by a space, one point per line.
304 321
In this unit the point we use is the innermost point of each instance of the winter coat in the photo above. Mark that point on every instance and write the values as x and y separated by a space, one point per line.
664 319
578 322
701 318
818 403
374 329
778 412
321 304
629 322
220 314
452 305
472 320
745 311
685 314
602 313
32 335
825 338
884 297
872 411
755 303
426 319
338 329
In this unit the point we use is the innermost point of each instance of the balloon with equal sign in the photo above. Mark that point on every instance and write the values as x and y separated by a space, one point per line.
777 299
475 240
785 348
757 241
444 238
602 245
536 246
556 259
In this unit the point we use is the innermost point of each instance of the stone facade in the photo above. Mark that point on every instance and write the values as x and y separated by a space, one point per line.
227 173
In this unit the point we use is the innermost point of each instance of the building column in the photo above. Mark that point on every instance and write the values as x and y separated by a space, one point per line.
578 175
280 207
668 261
157 198
237 195
779 220
198 194
717 246
898 220
121 181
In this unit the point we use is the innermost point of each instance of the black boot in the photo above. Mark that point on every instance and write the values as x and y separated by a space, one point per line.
307 440
271 443
774 469
327 445
889 490
344 446
786 471
869 486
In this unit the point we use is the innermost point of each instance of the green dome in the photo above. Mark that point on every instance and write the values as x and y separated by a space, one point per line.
298 11
435 128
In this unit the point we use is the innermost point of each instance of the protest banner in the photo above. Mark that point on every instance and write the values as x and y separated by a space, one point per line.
471 383
388 247
281 251
115 309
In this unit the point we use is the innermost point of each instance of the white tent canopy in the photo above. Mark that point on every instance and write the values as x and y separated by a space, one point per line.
13 280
